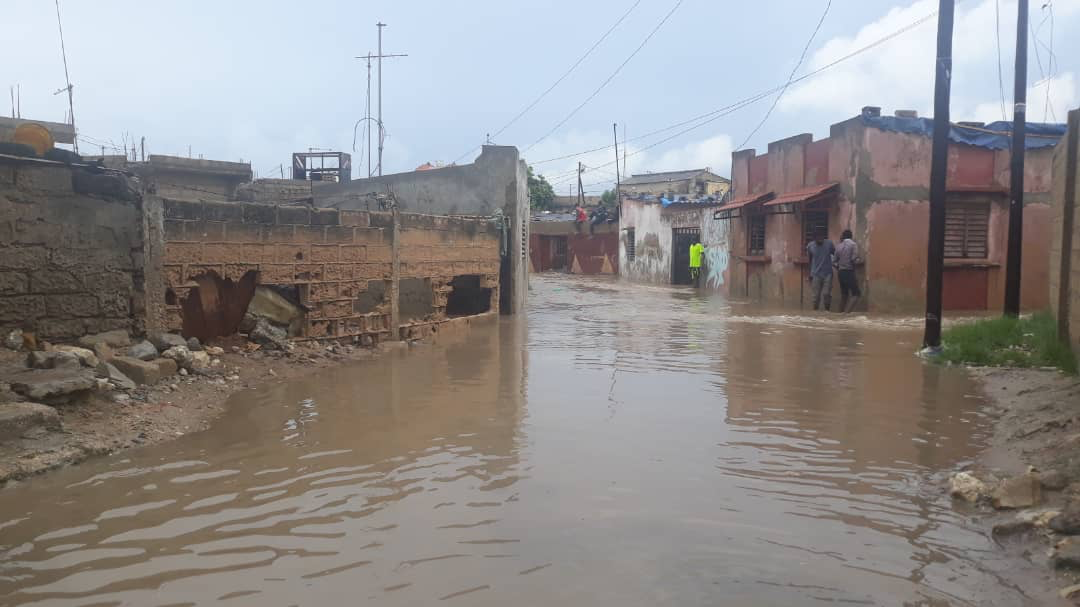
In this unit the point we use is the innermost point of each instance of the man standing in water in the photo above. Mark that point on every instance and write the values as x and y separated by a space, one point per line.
847 254
820 251
697 251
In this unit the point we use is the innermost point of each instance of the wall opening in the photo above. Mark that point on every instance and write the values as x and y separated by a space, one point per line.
467 297
215 306
372 299
416 300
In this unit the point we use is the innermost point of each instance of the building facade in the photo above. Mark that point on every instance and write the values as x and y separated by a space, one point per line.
693 184
572 247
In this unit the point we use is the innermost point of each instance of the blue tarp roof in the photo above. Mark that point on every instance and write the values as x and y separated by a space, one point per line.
994 135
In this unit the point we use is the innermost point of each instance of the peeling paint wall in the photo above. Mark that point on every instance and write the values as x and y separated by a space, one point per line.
652 247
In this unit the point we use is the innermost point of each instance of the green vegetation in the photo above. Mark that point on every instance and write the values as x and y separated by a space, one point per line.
608 198
1029 341
541 194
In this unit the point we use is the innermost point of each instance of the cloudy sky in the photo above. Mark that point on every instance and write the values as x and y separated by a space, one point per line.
258 80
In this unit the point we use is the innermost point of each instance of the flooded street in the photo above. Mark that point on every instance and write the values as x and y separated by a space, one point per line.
620 445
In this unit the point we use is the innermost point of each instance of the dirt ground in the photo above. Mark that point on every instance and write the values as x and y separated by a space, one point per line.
102 423
1036 428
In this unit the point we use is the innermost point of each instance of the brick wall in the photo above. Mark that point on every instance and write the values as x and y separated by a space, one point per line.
71 256
340 262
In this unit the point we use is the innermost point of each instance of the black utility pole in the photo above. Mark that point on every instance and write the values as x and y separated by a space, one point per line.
1016 166
939 156
618 180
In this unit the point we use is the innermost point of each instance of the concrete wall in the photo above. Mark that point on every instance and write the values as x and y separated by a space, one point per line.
71 251
883 179
496 183
344 267
586 253
1065 243
192 178
653 227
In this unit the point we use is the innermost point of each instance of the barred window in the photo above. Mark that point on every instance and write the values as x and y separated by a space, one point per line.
630 243
815 223
966 226
755 240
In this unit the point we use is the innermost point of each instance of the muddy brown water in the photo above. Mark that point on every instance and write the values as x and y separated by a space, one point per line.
622 445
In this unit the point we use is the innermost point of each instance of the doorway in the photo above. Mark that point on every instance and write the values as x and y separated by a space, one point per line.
681 239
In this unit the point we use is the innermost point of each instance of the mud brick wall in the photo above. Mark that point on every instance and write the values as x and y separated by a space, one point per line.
340 262
71 258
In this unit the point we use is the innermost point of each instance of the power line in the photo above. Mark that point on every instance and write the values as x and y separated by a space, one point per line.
609 78
997 35
708 117
802 57
559 80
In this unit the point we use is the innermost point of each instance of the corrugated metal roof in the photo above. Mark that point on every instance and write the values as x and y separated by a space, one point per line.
805 194
739 203
643 178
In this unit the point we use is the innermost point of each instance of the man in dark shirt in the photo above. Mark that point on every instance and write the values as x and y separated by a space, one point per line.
847 255
820 251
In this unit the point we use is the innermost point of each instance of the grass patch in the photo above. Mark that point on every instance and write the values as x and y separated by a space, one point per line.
1029 341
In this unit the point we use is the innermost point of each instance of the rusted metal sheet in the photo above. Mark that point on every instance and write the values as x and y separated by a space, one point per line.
965 288
216 306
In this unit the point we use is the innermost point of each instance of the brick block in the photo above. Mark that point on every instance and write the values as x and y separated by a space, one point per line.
333 309
379 253
279 233
352 252
309 234
182 209
174 229
223 211
289 253
293 215
259 213
21 308
183 252
381 220
67 306
55 281
51 179
205 231
318 328
236 231
14 283
351 288
325 217
236 271
173 274
355 218
195 270
339 271
23 258
376 236
115 282
257 253
277 274
325 252
371 271
219 253
64 329
306 272
114 304
320 291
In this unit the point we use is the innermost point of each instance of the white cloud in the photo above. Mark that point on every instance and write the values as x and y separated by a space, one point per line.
1047 101
899 74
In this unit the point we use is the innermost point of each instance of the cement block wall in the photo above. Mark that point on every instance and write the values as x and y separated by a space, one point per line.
1064 277
71 251
344 265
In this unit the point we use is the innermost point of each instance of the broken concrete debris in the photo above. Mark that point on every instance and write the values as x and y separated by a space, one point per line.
275 308
181 355
111 373
194 344
141 371
968 487
53 385
118 338
1022 491
268 334
53 360
14 340
164 341
17 419
144 350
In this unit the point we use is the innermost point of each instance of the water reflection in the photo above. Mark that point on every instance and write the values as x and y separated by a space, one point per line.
624 445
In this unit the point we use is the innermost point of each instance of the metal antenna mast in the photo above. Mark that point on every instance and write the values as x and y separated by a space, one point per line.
380 25
67 79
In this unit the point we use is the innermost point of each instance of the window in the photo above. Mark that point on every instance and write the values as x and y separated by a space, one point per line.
560 246
815 223
965 229
630 244
755 239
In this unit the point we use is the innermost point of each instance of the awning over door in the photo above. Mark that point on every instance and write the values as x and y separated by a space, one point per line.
787 202
736 207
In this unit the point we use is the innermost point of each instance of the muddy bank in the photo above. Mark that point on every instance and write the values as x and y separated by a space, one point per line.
1026 484
107 422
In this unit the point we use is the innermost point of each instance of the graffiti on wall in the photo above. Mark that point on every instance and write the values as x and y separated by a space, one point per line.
716 261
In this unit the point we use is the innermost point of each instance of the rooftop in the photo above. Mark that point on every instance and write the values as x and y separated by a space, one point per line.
666 176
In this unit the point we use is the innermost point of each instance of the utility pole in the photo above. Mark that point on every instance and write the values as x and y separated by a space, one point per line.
939 156
379 120
580 188
69 88
1016 166
618 180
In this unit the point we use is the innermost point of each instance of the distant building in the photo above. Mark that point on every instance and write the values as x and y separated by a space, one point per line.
557 242
695 183
569 203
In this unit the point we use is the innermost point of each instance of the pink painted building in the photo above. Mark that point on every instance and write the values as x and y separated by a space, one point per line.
871 175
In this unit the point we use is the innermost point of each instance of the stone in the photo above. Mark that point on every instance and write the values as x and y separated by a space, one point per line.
53 359
1067 556
111 373
167 367
181 355
194 344
968 487
183 372
14 340
1053 480
164 341
144 350
1068 521
118 338
268 334
268 304
104 351
1011 528
1022 491
214 350
141 372
200 360
86 357
53 385
121 398
1069 592
1039 518
17 419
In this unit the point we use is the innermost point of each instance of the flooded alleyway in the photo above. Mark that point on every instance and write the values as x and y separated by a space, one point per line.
620 445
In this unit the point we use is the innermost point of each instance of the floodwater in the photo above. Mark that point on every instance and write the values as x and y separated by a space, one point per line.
622 445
